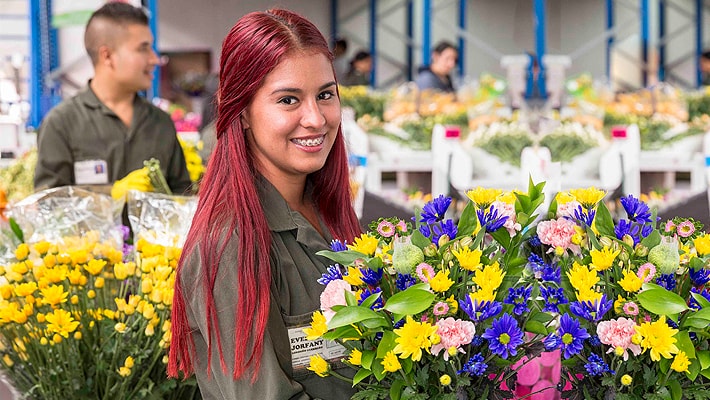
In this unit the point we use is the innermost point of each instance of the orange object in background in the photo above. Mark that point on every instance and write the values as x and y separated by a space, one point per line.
3 204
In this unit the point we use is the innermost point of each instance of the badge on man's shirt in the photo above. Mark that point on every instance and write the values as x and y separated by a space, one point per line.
91 172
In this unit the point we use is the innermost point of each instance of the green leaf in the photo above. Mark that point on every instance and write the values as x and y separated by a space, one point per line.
347 331
676 390
693 369
541 317
704 358
344 258
704 303
685 344
411 301
396 389
603 221
697 263
368 356
378 369
468 221
16 230
349 300
661 302
652 240
352 315
503 237
419 240
360 375
387 343
536 327
371 299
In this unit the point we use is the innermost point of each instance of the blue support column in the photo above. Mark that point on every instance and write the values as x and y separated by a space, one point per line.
644 42
153 22
426 32
661 40
373 41
462 41
610 40
540 43
44 57
698 40
410 39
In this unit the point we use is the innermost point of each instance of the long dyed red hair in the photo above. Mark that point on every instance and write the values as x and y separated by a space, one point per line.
228 192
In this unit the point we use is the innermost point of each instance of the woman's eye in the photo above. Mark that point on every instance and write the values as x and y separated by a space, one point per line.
289 100
326 95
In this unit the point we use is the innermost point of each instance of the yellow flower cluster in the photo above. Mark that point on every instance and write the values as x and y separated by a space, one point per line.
195 167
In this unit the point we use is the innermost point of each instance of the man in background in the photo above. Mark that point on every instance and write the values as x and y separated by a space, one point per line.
105 132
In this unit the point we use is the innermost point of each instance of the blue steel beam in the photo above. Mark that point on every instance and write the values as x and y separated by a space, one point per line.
153 22
661 42
698 40
462 40
373 41
644 42
410 39
610 40
44 57
540 43
426 32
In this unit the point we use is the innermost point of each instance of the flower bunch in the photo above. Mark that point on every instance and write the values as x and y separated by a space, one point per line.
434 309
193 160
79 322
630 299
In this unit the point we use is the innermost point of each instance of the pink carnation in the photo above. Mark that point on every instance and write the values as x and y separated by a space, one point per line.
618 333
453 333
508 210
567 209
556 232
333 295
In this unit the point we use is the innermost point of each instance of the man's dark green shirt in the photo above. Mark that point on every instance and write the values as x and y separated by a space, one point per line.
82 130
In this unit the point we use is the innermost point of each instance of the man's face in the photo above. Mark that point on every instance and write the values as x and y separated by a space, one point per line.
133 59
705 64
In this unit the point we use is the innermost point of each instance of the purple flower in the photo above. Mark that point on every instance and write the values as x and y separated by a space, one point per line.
434 210
536 262
367 293
425 230
591 311
551 273
445 228
534 241
371 277
571 335
504 336
404 281
552 342
519 299
332 273
636 210
667 281
553 298
585 218
337 245
596 365
627 228
479 312
490 220
699 277
474 366
125 232
692 303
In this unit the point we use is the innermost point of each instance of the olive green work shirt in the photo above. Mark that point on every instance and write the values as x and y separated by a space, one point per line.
295 294
82 129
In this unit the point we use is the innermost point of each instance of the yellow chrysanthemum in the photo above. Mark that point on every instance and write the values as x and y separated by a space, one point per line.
483 295
581 277
626 380
445 380
385 254
61 322
129 362
469 259
42 247
120 327
453 304
619 304
318 326
588 295
25 289
355 357
54 295
354 276
79 257
509 197
441 282
680 362
124 372
365 244
631 282
55 275
414 337
658 338
702 245
588 197
319 365
22 251
489 278
483 197
564 198
603 259
390 362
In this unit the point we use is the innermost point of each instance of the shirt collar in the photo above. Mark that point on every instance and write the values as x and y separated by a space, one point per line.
89 98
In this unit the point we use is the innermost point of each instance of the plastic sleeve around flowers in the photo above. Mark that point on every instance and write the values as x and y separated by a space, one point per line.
160 218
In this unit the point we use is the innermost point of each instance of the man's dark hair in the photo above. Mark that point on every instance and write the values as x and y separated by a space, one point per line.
706 54
443 45
116 14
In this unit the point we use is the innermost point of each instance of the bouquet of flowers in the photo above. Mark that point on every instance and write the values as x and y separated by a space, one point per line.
633 308
435 310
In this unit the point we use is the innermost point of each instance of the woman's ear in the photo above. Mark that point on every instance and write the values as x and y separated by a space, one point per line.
245 121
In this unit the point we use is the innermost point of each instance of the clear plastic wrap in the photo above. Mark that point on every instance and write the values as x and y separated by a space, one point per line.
67 211
159 218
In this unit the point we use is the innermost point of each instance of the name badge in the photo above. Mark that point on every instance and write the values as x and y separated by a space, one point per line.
91 172
302 349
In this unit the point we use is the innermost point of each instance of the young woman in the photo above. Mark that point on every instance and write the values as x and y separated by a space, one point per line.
276 192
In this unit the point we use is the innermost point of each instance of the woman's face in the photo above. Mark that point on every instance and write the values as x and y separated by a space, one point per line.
293 120
443 63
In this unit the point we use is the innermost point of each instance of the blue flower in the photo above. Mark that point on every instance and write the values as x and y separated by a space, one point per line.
551 273
479 312
536 262
591 311
404 281
337 245
519 299
585 218
699 277
476 341
553 298
572 336
490 220
474 366
627 228
504 336
534 241
434 210
332 273
552 342
636 210
371 277
692 303
671 323
425 230
445 228
667 281
367 293
594 341
596 365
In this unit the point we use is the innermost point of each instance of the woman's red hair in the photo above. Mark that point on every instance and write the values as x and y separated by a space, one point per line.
228 193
